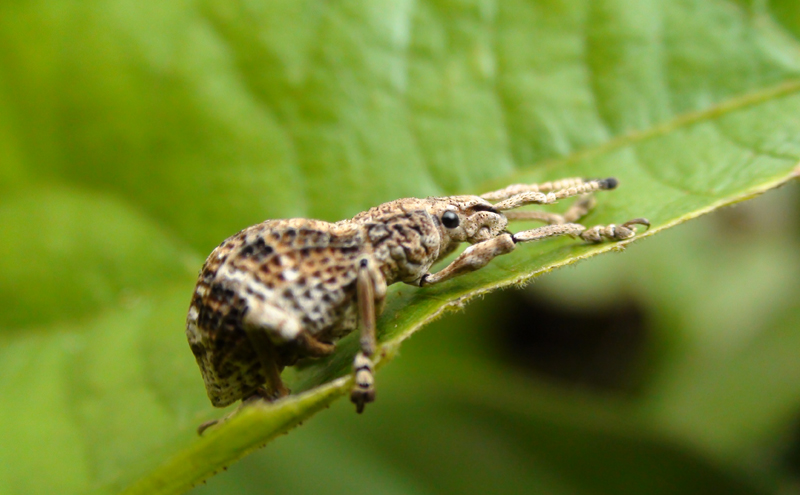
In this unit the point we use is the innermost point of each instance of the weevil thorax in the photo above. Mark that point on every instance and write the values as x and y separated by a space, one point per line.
409 235
403 238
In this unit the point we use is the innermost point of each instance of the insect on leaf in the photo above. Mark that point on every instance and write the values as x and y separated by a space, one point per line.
134 140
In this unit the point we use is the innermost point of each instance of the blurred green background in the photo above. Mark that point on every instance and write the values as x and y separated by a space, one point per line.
136 135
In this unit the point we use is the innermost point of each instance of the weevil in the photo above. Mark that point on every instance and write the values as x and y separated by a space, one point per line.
284 290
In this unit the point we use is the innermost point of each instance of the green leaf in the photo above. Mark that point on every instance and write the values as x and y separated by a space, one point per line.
136 135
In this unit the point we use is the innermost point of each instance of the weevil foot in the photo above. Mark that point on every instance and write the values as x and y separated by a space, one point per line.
627 229
259 394
208 424
361 397
613 232
637 221
364 387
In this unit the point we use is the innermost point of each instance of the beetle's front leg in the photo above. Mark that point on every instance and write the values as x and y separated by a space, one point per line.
473 258
479 255
598 233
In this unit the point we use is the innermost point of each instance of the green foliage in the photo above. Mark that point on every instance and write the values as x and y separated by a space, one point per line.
135 136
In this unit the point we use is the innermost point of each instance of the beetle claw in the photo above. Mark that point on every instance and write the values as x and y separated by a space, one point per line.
364 387
637 221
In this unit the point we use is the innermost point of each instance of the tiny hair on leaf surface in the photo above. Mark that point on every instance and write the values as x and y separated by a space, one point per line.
135 140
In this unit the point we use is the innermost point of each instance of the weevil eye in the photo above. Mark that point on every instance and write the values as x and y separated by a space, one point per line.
450 220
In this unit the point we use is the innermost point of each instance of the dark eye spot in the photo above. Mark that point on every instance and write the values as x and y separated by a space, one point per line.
450 219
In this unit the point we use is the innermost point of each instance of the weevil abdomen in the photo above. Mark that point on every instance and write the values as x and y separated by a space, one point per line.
282 276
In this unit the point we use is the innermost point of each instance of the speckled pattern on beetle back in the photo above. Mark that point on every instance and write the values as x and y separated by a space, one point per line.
284 290
304 273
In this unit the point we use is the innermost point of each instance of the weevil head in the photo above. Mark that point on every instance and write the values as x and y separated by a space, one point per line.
466 219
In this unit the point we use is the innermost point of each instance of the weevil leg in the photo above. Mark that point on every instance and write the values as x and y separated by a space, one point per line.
270 363
371 293
515 189
269 327
479 255
366 307
541 198
313 347
260 393
208 424
597 233
473 258
378 288
579 209
575 212
535 216
363 391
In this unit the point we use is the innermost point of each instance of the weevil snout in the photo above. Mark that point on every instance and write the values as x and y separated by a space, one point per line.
484 225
